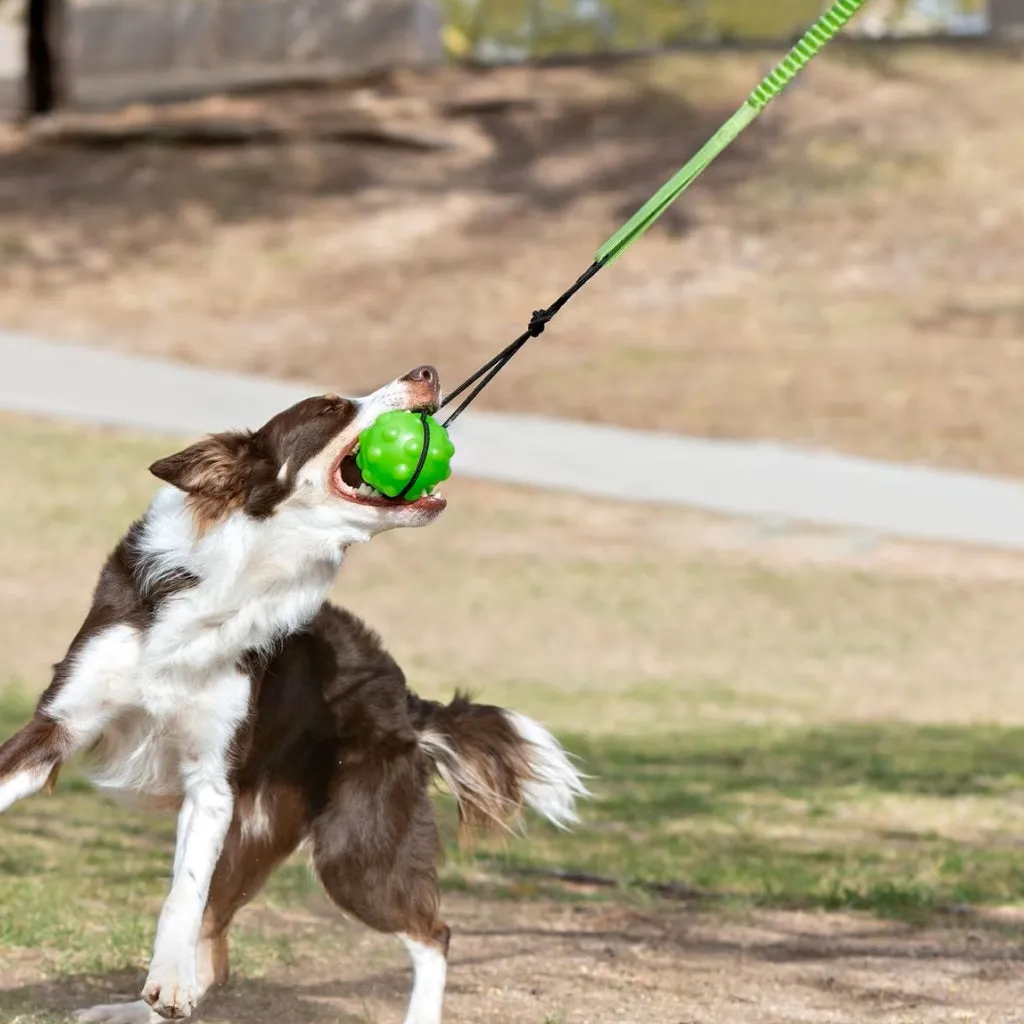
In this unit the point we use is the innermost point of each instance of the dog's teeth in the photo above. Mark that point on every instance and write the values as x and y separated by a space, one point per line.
365 490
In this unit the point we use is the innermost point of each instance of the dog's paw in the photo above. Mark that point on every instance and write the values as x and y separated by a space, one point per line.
119 1013
172 990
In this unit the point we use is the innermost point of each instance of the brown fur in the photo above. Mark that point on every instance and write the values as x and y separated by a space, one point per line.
336 750
120 596
334 756
43 742
242 469
219 960
491 764
214 472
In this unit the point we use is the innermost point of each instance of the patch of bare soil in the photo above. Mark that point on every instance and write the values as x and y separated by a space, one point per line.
536 962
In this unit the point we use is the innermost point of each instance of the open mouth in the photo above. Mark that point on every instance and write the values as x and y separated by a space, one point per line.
352 487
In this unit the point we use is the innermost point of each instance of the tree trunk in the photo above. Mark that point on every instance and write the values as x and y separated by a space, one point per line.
46 78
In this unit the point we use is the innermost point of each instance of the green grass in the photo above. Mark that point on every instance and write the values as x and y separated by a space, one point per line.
899 821
896 820
81 880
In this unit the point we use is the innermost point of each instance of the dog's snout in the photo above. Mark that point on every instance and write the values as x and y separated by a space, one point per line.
423 375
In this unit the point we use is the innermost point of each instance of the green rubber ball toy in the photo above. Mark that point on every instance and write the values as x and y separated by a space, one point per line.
390 450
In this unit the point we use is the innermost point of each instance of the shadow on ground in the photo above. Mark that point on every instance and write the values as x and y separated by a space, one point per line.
913 825
833 960
242 1002
619 145
903 821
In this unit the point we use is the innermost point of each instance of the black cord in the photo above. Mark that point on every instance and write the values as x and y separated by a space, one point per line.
482 377
423 458
540 319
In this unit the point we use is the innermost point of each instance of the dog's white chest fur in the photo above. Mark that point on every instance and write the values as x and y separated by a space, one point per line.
257 582
173 694
231 559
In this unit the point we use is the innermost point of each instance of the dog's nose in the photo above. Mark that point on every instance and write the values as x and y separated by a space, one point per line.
422 375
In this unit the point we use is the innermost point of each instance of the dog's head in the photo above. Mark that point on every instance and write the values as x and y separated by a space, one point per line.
304 460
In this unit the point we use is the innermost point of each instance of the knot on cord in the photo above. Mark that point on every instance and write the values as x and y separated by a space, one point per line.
540 319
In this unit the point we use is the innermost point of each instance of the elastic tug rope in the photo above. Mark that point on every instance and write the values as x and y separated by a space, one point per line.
822 32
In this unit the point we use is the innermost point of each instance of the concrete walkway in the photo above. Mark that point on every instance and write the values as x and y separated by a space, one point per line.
748 479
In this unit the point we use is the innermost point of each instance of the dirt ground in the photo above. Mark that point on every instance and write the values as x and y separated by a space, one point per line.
846 275
536 963
555 963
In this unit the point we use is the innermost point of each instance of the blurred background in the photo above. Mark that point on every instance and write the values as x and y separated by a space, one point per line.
805 726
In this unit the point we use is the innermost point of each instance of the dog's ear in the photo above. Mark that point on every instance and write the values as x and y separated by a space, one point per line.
219 466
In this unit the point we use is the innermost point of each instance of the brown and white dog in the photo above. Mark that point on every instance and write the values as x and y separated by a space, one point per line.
211 678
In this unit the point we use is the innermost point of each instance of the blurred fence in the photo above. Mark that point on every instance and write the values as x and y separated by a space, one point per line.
124 37
123 49
120 37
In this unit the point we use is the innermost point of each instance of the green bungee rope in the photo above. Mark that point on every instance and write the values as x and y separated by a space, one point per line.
400 470
809 46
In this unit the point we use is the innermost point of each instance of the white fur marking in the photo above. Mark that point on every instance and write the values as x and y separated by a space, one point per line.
103 678
172 984
184 820
430 971
258 823
459 776
25 783
555 784
99 678
139 1012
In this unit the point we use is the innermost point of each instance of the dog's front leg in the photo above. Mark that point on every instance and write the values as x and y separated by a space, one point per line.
172 987
181 830
205 730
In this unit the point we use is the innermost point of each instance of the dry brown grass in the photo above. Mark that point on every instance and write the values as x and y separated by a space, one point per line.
677 648
570 607
846 276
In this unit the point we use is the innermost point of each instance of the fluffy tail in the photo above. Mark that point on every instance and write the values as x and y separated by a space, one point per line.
496 762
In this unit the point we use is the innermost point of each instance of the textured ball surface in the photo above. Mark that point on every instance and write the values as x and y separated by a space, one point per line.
389 452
